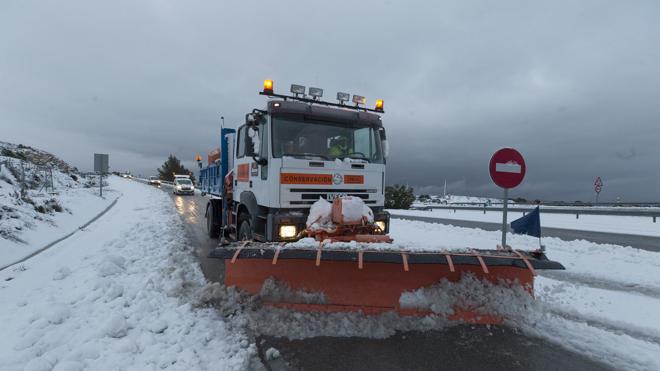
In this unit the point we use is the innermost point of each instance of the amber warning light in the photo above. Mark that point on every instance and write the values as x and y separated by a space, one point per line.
379 105
268 86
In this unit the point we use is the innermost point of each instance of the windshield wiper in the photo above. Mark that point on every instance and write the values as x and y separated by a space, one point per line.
304 155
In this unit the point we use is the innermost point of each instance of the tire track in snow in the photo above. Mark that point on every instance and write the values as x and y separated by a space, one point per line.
600 283
605 325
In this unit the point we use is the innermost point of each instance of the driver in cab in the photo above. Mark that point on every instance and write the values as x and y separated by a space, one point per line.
339 147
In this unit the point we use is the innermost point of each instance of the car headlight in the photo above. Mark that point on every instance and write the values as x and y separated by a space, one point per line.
178 187
287 231
381 224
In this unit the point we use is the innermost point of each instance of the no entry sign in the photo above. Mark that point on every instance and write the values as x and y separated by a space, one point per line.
507 168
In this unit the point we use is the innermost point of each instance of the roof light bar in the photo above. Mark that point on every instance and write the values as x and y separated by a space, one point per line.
314 98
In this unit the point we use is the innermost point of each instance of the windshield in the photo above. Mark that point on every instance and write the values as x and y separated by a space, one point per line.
183 181
325 140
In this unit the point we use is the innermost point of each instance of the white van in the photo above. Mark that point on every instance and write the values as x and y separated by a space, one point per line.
183 186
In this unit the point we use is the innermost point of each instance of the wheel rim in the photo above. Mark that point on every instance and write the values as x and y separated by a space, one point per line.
245 234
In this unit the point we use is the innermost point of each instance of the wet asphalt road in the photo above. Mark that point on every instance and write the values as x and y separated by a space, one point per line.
648 243
462 347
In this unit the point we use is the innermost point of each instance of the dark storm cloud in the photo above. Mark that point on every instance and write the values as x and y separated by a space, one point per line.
574 86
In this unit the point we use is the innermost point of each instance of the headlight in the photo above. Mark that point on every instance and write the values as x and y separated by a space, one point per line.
178 187
381 224
287 231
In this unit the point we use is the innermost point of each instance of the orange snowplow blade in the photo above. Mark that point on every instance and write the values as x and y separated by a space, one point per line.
372 282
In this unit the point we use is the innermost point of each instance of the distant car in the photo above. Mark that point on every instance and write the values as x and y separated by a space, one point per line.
183 186
153 180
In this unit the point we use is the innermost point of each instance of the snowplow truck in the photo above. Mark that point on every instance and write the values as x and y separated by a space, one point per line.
301 153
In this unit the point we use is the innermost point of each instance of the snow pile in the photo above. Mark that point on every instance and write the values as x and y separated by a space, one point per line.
320 215
324 215
277 291
262 319
470 292
117 296
353 211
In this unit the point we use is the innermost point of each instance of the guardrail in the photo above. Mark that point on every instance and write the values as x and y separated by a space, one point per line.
555 203
654 214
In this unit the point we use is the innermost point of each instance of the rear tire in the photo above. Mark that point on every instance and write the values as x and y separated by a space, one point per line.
245 228
212 227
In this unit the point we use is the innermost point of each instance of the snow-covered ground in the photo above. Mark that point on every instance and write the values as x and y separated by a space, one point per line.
604 305
119 295
127 293
643 226
28 223
454 200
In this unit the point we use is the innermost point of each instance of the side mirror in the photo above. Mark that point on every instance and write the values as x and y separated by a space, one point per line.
384 144
253 145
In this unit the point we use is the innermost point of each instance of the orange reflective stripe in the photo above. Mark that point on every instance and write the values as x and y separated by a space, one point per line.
529 265
481 261
450 262
238 251
404 257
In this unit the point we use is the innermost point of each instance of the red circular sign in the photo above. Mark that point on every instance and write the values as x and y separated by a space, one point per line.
507 168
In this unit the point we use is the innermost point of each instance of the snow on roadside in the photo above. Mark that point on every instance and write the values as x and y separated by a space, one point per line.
626 265
118 295
23 228
636 225
604 322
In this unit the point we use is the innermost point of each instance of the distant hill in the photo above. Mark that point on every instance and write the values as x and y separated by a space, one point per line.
32 182
35 156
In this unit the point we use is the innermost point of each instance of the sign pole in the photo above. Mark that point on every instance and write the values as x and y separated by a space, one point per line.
507 169
504 212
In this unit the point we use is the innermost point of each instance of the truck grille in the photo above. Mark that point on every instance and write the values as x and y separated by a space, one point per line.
309 195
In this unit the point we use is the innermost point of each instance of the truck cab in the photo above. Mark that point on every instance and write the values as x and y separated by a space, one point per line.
287 156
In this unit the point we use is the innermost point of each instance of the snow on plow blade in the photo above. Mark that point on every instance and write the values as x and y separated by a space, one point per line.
373 281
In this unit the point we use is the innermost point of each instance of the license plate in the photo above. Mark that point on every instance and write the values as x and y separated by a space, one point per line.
332 196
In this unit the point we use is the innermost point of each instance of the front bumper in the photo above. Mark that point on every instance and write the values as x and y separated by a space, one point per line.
298 218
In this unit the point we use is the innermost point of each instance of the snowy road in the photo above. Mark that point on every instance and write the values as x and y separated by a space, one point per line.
460 347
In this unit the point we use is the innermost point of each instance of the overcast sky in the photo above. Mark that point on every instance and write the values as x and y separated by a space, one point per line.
574 85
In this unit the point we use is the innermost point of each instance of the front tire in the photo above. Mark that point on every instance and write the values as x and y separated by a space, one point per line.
245 228
212 228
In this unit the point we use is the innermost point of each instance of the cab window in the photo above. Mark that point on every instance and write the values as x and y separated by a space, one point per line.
240 142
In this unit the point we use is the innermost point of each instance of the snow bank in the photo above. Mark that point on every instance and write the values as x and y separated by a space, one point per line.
117 296
32 217
637 225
